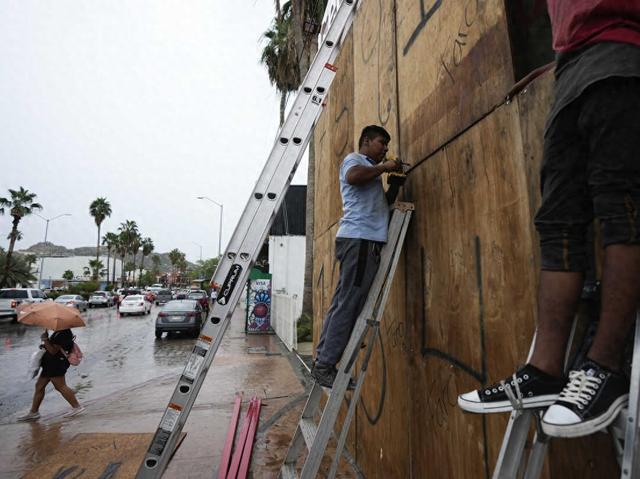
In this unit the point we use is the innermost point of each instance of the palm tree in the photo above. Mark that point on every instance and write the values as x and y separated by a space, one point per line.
68 275
174 256
109 240
99 209
127 232
96 266
147 249
279 55
20 204
134 246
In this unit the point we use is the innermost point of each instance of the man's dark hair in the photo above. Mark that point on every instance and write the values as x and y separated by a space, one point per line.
371 132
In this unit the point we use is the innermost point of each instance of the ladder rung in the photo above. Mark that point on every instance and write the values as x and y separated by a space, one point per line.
288 471
308 429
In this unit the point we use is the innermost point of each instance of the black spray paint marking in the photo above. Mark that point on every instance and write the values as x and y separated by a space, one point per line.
427 351
482 346
425 16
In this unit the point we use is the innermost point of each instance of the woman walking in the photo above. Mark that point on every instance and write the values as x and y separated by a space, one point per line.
54 367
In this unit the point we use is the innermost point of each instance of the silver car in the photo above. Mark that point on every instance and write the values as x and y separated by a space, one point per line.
73 301
101 298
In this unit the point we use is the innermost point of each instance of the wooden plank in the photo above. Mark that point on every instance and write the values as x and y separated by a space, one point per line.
374 65
334 141
472 298
94 455
454 66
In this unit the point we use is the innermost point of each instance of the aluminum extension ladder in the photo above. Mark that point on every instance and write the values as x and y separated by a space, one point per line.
316 437
624 431
248 237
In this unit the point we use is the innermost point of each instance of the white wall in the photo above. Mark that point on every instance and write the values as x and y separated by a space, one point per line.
286 265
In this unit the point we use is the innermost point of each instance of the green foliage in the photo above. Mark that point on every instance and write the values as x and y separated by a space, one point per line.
100 209
147 278
18 271
96 267
204 269
84 289
304 328
68 275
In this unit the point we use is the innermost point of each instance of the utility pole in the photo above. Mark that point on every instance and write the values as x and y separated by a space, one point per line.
46 232
220 230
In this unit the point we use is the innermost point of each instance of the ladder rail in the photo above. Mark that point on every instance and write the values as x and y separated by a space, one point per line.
247 240
631 457
389 256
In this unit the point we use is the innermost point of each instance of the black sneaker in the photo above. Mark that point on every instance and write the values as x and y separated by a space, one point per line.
528 388
325 375
589 402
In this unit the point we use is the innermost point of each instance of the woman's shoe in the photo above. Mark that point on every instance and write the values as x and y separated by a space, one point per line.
30 416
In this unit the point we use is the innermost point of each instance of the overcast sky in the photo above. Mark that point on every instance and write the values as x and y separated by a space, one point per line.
148 103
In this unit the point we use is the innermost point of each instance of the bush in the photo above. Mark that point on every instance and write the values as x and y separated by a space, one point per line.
304 328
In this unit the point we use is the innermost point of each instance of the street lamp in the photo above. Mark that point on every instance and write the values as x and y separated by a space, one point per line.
198 244
46 231
219 232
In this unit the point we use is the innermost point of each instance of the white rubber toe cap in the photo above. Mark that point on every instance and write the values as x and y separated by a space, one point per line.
470 397
560 415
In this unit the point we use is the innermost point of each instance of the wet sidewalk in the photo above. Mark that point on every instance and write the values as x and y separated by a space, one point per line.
111 437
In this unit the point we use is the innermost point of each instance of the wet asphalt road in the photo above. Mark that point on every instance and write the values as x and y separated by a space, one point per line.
119 352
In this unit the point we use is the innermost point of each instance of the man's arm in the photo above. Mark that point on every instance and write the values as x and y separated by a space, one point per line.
360 174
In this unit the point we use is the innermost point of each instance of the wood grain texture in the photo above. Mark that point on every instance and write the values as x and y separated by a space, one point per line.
454 66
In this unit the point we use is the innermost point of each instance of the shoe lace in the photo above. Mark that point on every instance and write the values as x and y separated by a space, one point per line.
509 387
580 389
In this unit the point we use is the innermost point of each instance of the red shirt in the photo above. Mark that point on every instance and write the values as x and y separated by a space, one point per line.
577 23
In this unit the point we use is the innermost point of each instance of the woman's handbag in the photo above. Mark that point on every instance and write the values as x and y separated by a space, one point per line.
34 363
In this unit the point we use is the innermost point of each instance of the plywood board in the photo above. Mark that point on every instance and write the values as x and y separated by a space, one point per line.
472 296
374 65
454 66
334 141
95 455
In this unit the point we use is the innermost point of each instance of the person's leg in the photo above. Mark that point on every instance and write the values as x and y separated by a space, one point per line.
620 296
613 124
596 390
561 222
359 262
38 395
61 386
557 303
341 248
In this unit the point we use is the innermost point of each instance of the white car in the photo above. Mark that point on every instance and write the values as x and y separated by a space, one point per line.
135 304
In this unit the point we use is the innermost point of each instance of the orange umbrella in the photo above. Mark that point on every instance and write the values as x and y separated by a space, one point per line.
50 315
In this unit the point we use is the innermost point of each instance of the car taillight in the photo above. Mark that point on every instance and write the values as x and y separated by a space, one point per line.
162 315
191 313
14 304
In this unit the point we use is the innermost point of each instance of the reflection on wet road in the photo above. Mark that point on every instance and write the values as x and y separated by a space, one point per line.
119 352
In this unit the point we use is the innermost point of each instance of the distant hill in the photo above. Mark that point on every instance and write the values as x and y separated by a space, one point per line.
50 249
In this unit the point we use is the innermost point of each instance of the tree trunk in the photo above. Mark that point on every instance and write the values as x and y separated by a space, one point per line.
140 273
283 105
307 295
114 270
298 10
133 272
98 246
12 243
108 258
122 272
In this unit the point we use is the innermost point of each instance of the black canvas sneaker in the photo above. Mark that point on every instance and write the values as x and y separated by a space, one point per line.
589 402
528 388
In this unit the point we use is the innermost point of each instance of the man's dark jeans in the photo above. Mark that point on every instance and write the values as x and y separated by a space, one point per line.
359 262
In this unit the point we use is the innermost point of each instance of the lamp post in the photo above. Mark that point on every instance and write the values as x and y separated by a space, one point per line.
199 245
46 231
220 231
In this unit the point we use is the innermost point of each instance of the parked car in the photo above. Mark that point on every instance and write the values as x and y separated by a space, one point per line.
163 296
11 298
101 298
184 315
73 301
135 304
129 292
201 297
